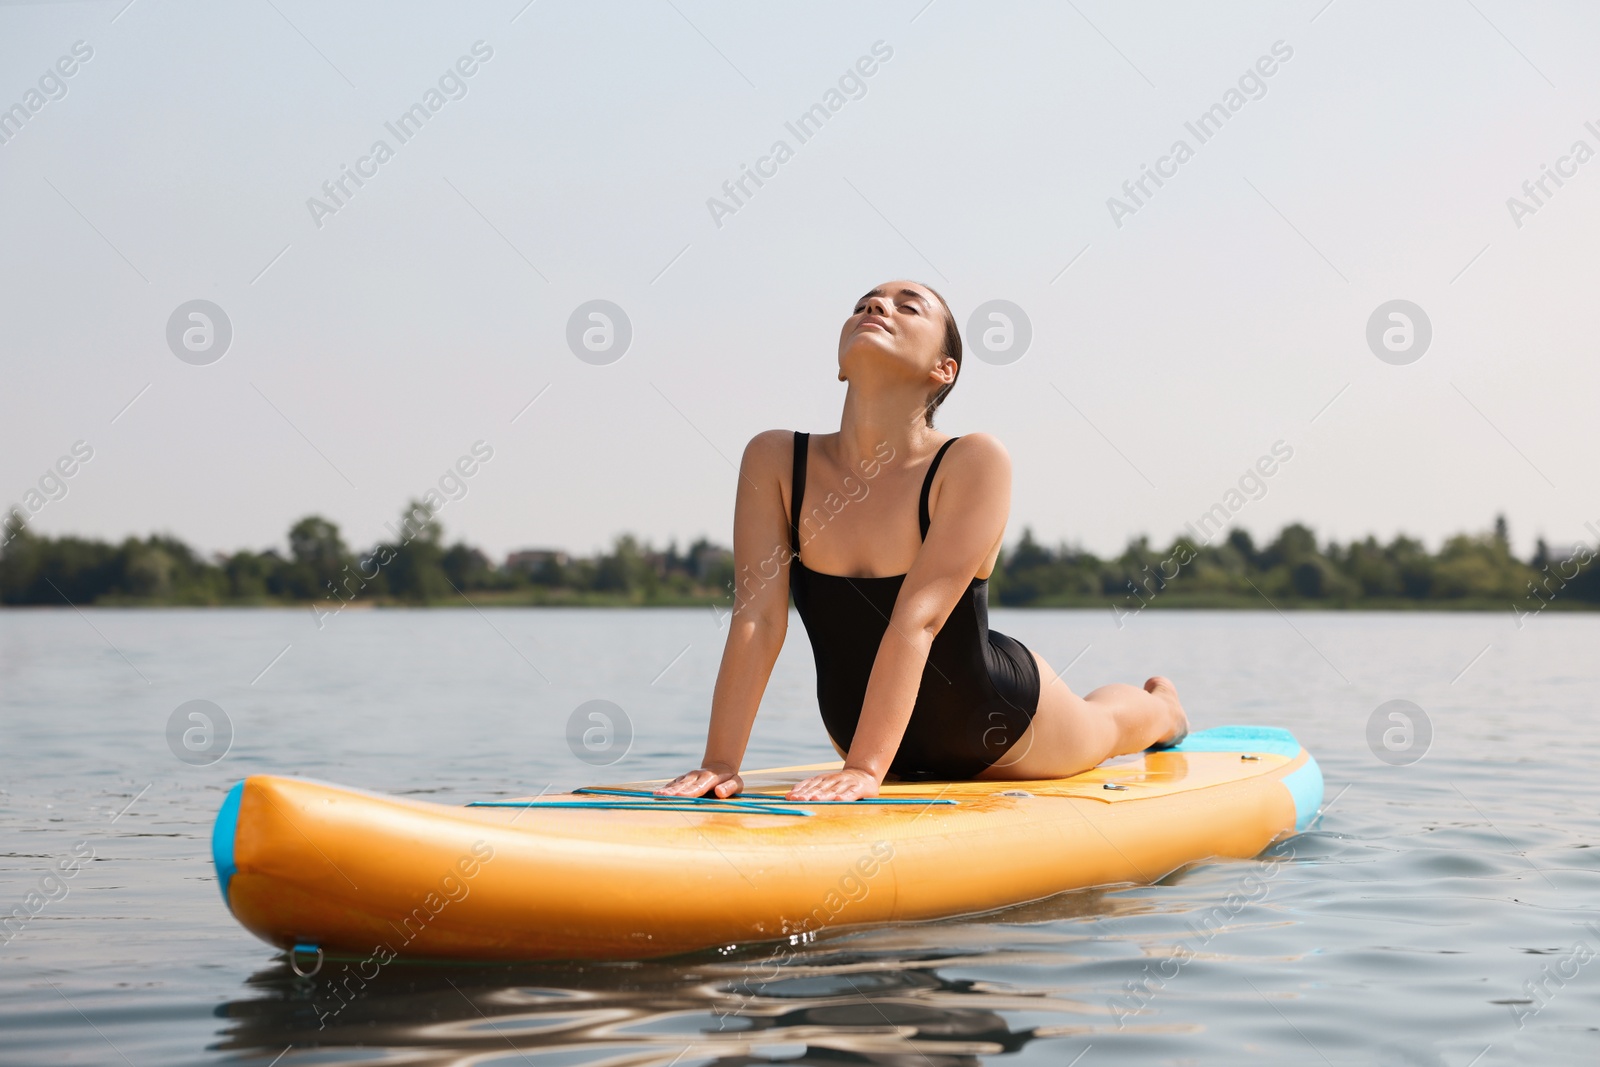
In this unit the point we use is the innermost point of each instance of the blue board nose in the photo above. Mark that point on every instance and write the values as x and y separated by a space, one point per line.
1304 785
222 835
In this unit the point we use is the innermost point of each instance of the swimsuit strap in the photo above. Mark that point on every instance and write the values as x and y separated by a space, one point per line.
927 483
797 489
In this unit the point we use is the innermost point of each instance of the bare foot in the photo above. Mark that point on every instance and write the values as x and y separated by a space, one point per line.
1162 687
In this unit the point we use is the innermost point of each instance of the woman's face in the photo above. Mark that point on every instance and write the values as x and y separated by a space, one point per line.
898 321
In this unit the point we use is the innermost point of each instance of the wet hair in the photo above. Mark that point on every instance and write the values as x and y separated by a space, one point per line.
951 349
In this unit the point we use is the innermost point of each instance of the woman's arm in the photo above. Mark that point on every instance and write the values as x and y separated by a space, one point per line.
760 615
974 501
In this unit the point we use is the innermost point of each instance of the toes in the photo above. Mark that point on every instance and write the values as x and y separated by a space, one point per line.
1157 681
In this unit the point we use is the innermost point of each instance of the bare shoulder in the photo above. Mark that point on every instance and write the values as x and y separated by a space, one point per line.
769 452
980 455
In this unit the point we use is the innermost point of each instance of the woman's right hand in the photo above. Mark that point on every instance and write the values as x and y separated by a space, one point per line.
719 781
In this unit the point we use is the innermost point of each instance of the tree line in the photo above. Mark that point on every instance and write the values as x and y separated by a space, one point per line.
1469 571
414 565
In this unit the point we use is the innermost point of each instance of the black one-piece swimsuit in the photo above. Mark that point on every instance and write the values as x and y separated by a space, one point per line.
980 688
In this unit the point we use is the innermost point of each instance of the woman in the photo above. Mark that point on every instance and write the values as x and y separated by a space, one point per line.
910 679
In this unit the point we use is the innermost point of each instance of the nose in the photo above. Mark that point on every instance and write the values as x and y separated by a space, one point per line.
877 305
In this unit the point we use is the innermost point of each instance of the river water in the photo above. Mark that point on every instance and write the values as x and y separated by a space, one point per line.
1435 914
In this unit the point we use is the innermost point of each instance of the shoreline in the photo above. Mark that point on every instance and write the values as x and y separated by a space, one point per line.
1117 608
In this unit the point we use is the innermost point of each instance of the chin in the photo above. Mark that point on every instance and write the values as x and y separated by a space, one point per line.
873 342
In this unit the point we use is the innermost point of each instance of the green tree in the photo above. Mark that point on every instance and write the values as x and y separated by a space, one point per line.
624 569
1243 544
416 573
1372 570
1480 567
1416 567
248 573
468 567
1295 544
315 544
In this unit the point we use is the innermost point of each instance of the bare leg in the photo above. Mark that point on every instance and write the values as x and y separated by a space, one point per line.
1143 717
1070 734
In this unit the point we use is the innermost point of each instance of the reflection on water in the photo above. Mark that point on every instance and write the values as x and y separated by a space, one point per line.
822 1005
880 996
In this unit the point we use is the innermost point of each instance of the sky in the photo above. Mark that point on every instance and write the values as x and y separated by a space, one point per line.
567 153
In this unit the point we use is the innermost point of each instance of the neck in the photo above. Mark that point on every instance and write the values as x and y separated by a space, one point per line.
871 419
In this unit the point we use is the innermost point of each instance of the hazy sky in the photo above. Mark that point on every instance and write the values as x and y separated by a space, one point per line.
1174 340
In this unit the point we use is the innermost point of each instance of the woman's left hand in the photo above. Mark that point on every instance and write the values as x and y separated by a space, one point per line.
844 784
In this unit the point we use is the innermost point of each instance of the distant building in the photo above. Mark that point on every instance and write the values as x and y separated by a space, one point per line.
531 559
1571 556
709 558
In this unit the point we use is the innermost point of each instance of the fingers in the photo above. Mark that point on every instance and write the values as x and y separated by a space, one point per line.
698 783
830 787
692 784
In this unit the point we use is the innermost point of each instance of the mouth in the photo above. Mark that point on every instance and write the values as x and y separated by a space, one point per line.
873 321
